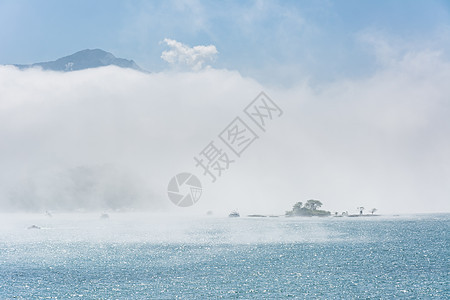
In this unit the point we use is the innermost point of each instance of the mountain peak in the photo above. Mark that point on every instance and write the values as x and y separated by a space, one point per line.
84 59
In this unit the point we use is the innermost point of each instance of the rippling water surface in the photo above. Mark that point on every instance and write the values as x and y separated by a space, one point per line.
145 256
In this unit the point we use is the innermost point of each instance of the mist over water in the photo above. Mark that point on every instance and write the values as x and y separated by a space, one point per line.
156 256
111 139
224 150
162 229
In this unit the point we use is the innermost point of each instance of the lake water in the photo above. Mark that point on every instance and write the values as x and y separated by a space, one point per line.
133 256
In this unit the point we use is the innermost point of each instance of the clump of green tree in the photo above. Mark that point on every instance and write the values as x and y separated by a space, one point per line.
310 209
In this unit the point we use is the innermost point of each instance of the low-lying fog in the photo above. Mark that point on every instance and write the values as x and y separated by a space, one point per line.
110 139
181 229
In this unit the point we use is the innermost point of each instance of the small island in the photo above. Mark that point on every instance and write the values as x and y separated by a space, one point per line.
310 209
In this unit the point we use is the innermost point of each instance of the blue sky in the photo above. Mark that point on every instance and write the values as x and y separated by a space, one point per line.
274 41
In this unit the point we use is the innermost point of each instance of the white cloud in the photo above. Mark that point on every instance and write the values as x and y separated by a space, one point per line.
111 137
194 58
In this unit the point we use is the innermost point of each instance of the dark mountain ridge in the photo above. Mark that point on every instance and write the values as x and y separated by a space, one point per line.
85 59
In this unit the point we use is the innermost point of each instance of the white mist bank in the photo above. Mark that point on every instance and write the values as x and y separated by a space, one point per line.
169 228
111 139
162 229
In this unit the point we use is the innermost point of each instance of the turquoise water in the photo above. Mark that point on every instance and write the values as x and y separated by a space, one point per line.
143 256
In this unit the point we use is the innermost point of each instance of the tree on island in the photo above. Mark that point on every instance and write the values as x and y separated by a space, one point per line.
313 204
308 210
297 206
361 209
373 210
